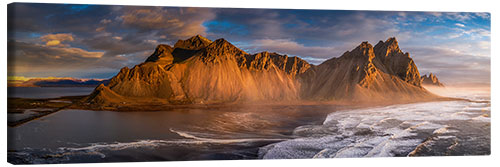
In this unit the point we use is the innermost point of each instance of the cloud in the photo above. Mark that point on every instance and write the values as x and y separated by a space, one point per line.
470 34
56 39
28 57
36 60
289 47
483 15
459 16
53 43
105 21
110 37
484 45
320 28
118 45
175 22
52 18
100 29
23 50
451 65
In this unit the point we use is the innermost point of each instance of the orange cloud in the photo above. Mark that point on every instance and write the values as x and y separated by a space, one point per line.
56 39
53 43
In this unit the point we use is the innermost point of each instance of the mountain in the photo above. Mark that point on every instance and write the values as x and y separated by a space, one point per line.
431 80
197 70
57 82
366 73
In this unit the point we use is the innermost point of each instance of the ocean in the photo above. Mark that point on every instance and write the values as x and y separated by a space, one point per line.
47 92
258 132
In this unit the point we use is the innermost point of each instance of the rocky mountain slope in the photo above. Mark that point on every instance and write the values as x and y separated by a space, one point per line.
431 80
200 71
366 73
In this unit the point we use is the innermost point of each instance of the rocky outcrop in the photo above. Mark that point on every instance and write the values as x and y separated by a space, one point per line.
194 43
431 80
162 55
198 70
395 62
265 60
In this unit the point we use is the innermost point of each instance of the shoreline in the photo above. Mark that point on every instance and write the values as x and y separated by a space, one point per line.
149 107
17 105
251 152
75 102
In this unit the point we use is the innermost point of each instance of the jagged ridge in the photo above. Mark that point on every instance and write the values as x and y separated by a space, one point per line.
366 73
198 70
210 72
431 80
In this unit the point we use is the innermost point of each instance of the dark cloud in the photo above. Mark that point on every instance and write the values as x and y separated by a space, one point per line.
55 18
174 22
47 60
309 27
117 45
123 35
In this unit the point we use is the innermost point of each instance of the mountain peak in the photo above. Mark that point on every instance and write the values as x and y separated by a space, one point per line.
386 48
222 44
163 48
194 43
199 37
220 48
394 61
365 44
431 80
364 49
391 40
162 54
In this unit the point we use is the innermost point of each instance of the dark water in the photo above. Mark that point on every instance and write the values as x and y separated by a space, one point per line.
184 134
47 92
251 132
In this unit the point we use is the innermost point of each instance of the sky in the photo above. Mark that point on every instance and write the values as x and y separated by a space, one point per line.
96 41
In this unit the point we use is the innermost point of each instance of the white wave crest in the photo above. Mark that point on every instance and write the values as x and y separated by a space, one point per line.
221 141
394 130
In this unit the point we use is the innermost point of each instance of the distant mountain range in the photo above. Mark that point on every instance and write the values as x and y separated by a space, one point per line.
431 80
200 71
57 82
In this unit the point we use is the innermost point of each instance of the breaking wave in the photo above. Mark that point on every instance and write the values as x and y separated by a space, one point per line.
221 141
430 128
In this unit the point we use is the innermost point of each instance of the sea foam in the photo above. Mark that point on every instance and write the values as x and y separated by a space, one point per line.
395 130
